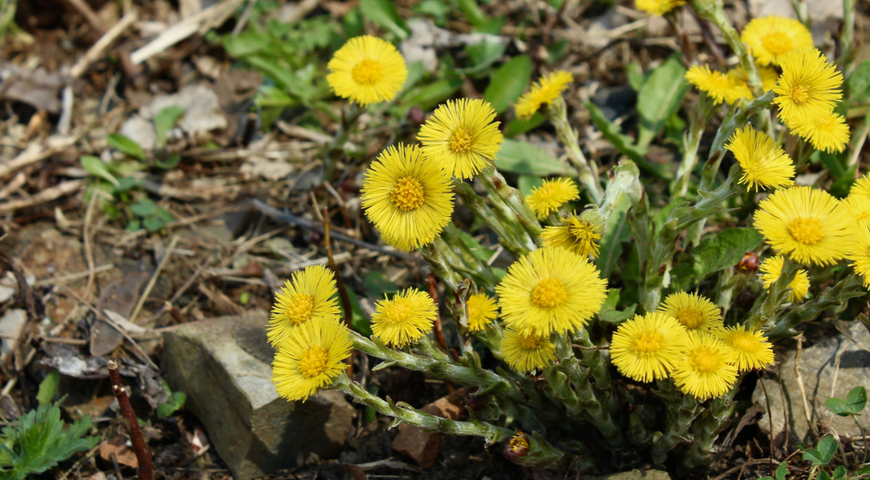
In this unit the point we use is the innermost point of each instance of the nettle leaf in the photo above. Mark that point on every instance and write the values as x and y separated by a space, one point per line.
519 156
857 399
660 97
125 145
824 452
508 83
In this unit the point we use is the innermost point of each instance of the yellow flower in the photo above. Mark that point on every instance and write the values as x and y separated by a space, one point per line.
481 311
461 137
771 37
763 161
405 318
861 187
807 224
309 294
809 87
828 132
768 75
310 358
752 349
657 7
367 70
525 353
693 311
545 91
547 198
859 251
407 198
707 370
580 234
721 87
647 347
550 289
772 268
858 206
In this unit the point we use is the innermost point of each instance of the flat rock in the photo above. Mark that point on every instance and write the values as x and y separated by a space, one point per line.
423 446
632 475
818 367
224 367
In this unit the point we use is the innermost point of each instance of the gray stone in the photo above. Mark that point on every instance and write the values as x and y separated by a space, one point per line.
818 367
223 365
632 475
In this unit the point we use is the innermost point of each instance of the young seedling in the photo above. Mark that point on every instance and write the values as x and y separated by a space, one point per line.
854 404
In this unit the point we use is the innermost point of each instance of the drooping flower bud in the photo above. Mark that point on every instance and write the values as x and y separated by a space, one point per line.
517 447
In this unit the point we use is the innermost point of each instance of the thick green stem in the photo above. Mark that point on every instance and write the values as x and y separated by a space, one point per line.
837 295
474 265
847 39
440 266
497 185
335 149
682 410
587 171
509 237
706 431
700 118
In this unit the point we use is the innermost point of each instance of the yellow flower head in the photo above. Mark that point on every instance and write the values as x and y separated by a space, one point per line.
481 311
547 198
752 349
647 347
763 161
828 132
693 311
807 224
861 187
859 251
309 294
657 7
809 87
772 268
550 289
367 70
721 87
859 207
526 352
768 75
545 91
771 37
405 318
580 234
310 358
407 198
707 370
461 137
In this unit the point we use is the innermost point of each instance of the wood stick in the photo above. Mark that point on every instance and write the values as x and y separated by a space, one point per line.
86 11
153 280
143 455
98 49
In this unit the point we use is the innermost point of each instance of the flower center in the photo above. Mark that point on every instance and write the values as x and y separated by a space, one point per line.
407 194
777 43
648 342
806 230
519 443
549 293
473 311
313 361
720 81
744 342
706 360
367 72
397 312
583 231
800 94
461 141
530 342
300 308
690 317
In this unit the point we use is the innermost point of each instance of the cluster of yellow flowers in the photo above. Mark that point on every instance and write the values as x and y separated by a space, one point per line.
686 340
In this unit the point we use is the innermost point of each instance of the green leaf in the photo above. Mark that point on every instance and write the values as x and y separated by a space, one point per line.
358 318
625 144
125 184
616 231
823 453
609 313
97 168
165 121
840 473
843 186
822 475
483 54
143 207
527 183
153 223
476 248
125 145
173 403
857 399
839 407
782 471
635 75
719 252
472 12
378 284
427 97
508 83
48 388
835 163
384 13
660 97
519 156
859 83
171 162
519 126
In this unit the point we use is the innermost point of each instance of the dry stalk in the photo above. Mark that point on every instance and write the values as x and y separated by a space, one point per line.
143 455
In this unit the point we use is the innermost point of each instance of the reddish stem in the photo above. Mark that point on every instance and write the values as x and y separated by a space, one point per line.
439 334
143 455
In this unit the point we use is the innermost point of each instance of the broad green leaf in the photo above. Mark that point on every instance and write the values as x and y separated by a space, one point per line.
824 451
48 388
857 399
125 145
383 12
859 83
97 168
125 184
476 248
610 314
782 471
835 163
172 161
165 121
519 126
378 284
840 473
472 12
616 231
427 97
483 54
843 186
519 156
173 403
839 407
635 75
153 223
143 207
822 475
719 252
491 26
625 144
660 97
508 83
358 318
527 183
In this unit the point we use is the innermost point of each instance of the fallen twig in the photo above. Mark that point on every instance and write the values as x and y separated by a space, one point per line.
153 280
143 455
98 49
46 195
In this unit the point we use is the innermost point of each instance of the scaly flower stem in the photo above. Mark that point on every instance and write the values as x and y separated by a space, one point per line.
440 266
509 237
682 410
497 185
477 267
847 39
335 149
707 430
700 118
764 316
587 171
835 296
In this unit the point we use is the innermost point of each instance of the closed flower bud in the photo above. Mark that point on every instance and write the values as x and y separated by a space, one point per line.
749 262
517 447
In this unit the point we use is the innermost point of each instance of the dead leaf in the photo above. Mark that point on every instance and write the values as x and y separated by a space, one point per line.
124 455
38 87
423 446
119 297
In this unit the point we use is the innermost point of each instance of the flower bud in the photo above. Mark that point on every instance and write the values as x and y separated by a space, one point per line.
749 263
517 447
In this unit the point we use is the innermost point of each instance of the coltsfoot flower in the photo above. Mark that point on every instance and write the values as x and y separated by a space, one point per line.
547 89
461 137
807 224
310 358
861 187
405 318
809 87
482 310
770 38
550 290
858 206
707 370
657 7
721 87
527 352
547 198
367 70
751 348
578 233
309 294
771 269
828 132
648 347
859 251
763 161
693 311
408 199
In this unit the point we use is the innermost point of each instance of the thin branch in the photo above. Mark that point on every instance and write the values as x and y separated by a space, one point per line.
143 455
439 333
